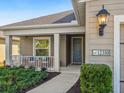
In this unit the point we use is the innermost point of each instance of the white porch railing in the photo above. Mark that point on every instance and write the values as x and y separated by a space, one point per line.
35 61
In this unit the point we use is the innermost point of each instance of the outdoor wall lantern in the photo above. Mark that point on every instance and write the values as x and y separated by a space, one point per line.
102 17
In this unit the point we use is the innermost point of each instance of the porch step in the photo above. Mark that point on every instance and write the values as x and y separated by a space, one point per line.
71 69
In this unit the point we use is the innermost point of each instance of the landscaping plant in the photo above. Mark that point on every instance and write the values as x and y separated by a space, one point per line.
95 78
16 80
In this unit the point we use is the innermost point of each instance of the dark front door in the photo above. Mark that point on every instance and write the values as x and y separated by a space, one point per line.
76 50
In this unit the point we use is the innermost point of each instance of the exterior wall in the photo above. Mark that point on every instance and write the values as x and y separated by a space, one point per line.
122 52
93 40
63 50
68 50
69 47
26 45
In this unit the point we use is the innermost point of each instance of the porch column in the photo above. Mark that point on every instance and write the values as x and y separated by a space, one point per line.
8 50
56 52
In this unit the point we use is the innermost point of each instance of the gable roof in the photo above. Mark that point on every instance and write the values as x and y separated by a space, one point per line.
63 17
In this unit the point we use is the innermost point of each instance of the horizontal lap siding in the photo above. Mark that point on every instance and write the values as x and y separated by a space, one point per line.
93 40
26 46
122 52
63 50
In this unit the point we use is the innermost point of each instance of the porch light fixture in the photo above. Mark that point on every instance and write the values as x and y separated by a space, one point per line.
102 17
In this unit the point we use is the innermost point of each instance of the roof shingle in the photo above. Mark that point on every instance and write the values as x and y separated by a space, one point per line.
63 17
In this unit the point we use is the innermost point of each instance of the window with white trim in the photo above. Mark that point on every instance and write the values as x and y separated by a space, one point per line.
42 46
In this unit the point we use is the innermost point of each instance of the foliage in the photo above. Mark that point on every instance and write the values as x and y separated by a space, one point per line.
42 47
43 69
32 67
42 43
95 78
15 80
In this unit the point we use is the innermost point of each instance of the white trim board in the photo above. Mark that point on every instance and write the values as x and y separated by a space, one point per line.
118 20
48 31
39 26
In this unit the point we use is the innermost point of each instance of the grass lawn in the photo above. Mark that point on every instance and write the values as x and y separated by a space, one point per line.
16 80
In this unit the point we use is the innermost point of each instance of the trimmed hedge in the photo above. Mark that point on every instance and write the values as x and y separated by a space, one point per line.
95 78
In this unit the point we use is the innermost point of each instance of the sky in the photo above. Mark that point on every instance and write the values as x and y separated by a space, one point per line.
12 11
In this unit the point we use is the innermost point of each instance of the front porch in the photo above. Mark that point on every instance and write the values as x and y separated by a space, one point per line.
49 48
47 51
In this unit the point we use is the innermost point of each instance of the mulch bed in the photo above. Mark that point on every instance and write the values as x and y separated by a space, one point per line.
75 88
50 76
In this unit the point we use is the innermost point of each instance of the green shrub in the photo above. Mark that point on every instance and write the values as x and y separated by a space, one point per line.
15 80
95 78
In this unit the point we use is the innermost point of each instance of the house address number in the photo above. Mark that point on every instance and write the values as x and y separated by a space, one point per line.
101 52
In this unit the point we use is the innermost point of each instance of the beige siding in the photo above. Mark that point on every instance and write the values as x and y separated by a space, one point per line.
93 40
26 46
52 46
63 50
122 52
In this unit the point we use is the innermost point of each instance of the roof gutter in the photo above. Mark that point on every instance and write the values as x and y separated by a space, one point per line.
46 26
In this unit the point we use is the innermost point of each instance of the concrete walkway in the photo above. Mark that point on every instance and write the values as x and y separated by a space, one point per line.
61 83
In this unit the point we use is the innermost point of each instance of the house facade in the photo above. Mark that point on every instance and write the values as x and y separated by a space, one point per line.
72 37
